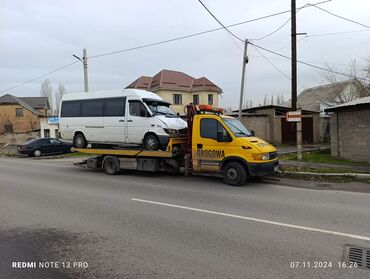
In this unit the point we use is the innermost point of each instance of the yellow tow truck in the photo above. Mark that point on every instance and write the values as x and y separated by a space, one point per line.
215 143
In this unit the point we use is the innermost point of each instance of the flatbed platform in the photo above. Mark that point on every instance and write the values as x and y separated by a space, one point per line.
126 152
137 152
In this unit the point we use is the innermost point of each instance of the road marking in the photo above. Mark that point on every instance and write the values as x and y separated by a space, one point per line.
256 220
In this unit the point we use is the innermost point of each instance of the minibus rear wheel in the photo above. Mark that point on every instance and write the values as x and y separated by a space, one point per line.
79 141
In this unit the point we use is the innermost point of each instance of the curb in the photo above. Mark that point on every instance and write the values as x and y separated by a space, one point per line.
345 174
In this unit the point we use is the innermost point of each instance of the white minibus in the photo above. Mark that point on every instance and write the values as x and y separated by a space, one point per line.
120 117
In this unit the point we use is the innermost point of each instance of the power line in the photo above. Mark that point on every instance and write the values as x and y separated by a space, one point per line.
195 34
307 64
287 21
337 33
341 17
273 32
272 64
231 33
36 78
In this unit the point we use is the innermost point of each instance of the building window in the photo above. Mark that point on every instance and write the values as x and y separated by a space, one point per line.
46 133
19 112
196 99
210 99
177 99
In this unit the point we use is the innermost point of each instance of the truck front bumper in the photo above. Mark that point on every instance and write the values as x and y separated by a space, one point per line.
263 169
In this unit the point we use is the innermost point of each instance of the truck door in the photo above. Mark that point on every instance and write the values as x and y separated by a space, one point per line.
210 146
138 119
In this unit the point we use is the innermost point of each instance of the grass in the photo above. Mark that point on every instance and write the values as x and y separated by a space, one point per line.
319 170
322 157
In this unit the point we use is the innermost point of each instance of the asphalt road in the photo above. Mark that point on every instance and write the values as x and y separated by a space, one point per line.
158 226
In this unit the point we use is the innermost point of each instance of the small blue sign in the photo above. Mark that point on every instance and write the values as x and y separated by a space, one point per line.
53 120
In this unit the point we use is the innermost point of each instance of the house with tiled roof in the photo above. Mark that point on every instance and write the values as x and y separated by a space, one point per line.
179 89
21 114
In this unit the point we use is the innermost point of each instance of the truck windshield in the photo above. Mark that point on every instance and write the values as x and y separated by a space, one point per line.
161 109
237 127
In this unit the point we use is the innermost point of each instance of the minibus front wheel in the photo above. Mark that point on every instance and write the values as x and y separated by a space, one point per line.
151 142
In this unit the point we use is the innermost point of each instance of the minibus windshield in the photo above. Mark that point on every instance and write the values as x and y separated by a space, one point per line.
158 108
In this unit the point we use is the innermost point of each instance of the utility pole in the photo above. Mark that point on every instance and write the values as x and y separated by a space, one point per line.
84 62
245 62
298 125
86 81
294 55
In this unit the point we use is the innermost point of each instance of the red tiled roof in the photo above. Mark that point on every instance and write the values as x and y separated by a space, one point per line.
174 80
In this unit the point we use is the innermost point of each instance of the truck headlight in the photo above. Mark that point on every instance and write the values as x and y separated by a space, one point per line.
170 131
261 157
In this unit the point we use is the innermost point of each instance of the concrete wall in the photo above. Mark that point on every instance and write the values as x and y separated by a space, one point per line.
187 97
350 134
26 123
260 125
334 135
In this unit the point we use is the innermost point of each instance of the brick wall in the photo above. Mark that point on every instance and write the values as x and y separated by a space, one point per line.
350 134
26 123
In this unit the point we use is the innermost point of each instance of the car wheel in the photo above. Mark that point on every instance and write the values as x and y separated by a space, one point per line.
111 166
235 174
151 142
37 153
71 149
80 141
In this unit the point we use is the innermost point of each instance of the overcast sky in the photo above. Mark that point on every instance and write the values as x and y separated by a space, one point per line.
39 36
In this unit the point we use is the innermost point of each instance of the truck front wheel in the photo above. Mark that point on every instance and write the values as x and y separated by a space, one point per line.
234 174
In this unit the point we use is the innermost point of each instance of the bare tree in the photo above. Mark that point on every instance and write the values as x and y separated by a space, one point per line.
278 101
265 101
7 125
58 97
354 88
47 91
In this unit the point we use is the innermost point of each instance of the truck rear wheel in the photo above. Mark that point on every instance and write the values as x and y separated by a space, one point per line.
234 174
111 165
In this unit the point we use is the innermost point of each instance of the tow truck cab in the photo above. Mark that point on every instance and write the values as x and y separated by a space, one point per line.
222 144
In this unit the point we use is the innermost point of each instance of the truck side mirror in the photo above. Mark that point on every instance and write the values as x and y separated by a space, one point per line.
253 133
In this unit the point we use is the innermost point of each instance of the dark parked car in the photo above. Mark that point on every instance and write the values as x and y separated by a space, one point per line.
38 147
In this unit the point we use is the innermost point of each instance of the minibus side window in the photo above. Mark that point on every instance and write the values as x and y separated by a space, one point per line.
114 107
